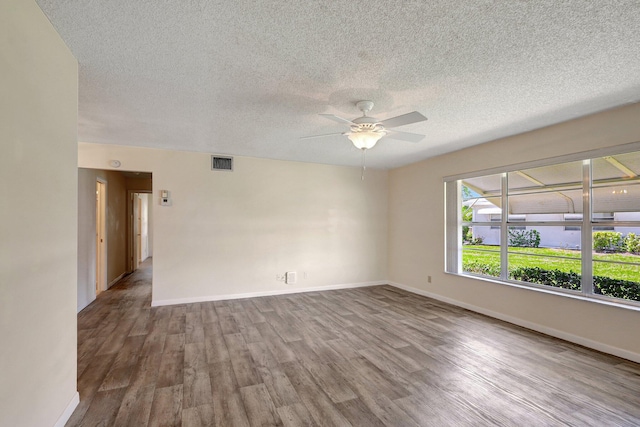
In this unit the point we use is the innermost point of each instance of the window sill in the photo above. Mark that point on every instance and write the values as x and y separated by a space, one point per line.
630 305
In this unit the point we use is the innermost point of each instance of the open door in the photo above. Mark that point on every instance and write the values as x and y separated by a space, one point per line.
139 228
135 222
101 243
138 246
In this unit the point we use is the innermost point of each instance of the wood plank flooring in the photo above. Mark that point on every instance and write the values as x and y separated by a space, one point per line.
375 356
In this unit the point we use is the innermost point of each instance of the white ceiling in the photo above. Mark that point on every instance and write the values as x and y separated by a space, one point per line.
249 77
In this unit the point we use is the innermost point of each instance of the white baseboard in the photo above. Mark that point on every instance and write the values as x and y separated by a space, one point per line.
68 411
158 303
116 280
605 348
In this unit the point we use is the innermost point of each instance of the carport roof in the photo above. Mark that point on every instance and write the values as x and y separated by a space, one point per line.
557 188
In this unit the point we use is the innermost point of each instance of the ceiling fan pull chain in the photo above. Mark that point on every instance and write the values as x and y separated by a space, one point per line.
364 150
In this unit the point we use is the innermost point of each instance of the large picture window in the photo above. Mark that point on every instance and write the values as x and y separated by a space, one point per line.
571 226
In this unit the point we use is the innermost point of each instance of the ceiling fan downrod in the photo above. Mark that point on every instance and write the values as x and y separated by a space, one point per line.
364 106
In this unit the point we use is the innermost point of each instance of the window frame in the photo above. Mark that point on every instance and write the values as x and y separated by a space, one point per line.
588 224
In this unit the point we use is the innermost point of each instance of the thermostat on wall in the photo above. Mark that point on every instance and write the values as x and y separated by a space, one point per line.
164 198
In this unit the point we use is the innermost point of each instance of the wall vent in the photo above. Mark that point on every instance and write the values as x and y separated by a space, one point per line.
221 163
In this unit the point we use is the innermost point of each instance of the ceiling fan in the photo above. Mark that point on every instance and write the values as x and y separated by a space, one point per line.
366 131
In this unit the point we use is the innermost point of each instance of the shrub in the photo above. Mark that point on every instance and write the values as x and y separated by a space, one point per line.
524 238
470 240
480 268
608 286
466 234
467 216
476 240
555 278
607 241
616 288
632 243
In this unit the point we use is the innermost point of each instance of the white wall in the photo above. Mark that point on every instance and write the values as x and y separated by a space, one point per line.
38 212
231 233
417 247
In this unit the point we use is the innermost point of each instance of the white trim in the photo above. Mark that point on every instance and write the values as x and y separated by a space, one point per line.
625 354
158 303
114 281
62 420
453 229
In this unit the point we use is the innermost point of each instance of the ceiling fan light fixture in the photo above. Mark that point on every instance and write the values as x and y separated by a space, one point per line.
366 139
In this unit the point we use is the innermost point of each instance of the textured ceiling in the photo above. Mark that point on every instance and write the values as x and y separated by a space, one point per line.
250 77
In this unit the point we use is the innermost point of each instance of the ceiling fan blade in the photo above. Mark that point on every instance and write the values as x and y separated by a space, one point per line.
404 136
321 136
337 119
404 119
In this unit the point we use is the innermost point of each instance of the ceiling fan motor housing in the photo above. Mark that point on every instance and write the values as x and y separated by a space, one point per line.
365 120
369 126
366 123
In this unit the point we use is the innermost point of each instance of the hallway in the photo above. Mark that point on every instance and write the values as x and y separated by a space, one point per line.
112 354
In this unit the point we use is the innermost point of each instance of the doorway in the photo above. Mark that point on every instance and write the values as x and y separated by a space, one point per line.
139 247
101 237
139 227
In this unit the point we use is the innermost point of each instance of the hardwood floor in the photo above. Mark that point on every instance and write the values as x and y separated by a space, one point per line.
375 356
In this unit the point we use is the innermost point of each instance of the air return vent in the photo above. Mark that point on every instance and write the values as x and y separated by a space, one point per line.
221 163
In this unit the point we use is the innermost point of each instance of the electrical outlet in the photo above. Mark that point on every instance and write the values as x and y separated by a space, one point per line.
428 279
290 277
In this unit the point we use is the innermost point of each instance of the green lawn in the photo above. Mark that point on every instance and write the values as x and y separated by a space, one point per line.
546 259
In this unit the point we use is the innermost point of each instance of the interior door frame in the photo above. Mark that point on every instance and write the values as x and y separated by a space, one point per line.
138 229
132 252
101 229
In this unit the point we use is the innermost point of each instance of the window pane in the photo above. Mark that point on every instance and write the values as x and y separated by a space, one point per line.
616 187
616 263
482 186
615 167
546 193
616 199
483 259
480 208
615 279
559 175
556 264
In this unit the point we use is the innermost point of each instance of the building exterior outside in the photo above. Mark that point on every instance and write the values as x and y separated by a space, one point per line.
551 236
